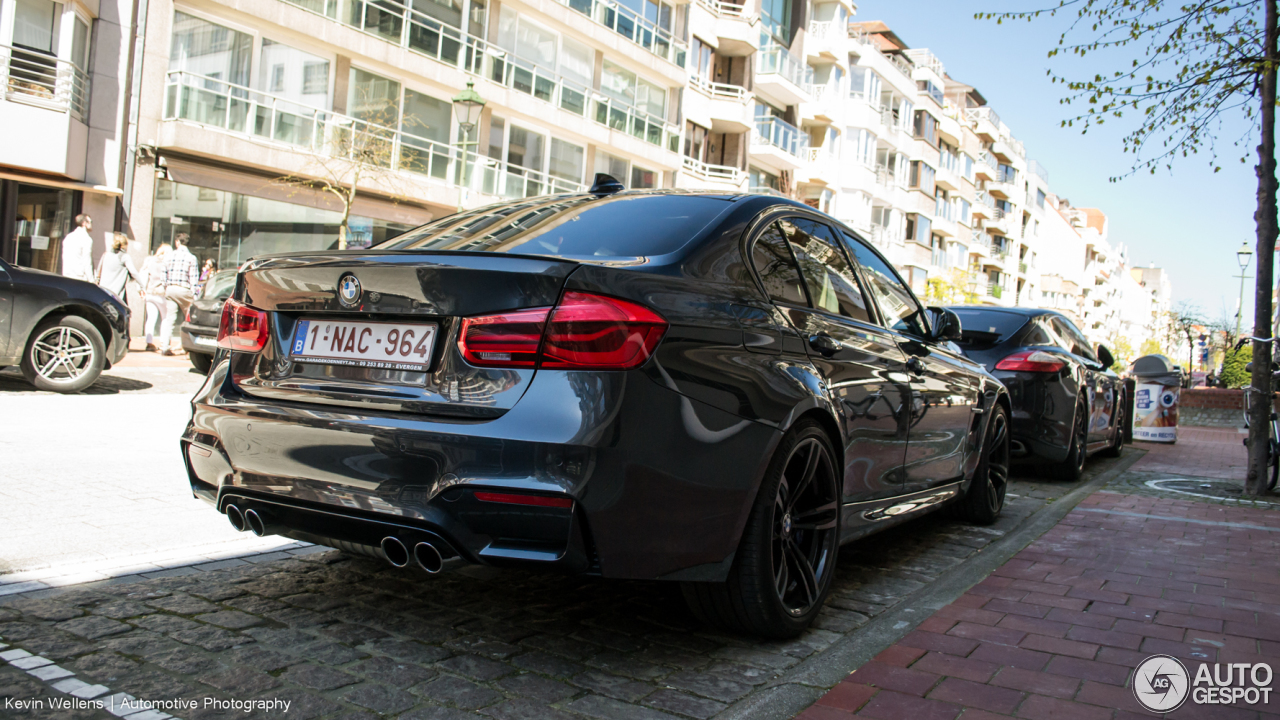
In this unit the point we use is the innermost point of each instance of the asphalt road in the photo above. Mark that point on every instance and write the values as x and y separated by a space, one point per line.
97 477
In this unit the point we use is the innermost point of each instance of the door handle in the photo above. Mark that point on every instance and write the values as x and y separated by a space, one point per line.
824 344
916 366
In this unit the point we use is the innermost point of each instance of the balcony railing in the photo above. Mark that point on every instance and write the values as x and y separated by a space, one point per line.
723 173
982 113
260 116
720 91
776 60
629 24
994 291
727 9
885 176
1006 174
826 30
1037 169
43 80
781 134
635 122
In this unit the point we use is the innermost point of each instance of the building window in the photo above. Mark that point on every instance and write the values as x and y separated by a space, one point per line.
611 165
695 141
761 179
775 15
315 78
164 189
642 179
207 195
1040 199
203 48
701 58
566 161
542 47
919 228
921 177
629 89
926 127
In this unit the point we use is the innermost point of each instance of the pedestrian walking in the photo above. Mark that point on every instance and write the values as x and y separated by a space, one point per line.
152 282
181 274
77 250
115 268
205 271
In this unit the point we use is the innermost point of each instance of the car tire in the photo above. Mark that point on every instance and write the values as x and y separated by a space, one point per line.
201 361
1117 443
1072 468
982 502
788 533
78 340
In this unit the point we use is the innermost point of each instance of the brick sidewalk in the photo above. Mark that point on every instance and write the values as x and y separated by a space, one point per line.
1056 632
1217 453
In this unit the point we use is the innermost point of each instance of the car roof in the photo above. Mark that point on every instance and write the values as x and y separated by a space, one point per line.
1023 311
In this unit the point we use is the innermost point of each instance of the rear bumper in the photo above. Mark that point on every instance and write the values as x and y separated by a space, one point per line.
658 485
1043 410
193 334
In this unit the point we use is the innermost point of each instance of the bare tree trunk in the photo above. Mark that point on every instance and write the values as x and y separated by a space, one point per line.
1265 217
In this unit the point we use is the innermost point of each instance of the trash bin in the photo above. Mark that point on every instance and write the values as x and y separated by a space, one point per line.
1155 406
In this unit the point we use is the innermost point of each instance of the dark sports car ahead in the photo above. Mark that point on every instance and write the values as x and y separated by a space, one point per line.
62 332
1067 403
199 329
712 389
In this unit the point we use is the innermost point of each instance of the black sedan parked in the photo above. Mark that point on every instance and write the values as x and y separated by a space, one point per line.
199 330
712 389
1067 403
62 332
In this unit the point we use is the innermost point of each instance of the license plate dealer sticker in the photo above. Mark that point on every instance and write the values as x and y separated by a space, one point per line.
397 346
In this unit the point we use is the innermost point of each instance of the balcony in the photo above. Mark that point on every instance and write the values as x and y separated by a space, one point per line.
634 122
778 144
708 176
825 41
1003 186
994 291
984 167
414 30
982 208
985 122
782 77
821 167
825 107
998 223
43 113
722 107
732 25
275 123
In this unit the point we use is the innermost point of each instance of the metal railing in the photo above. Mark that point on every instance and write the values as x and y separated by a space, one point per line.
777 60
781 134
722 91
1006 174
706 171
921 57
629 24
885 176
825 30
943 210
1038 170
243 111
982 113
635 122
901 64
42 79
994 291
728 9
820 154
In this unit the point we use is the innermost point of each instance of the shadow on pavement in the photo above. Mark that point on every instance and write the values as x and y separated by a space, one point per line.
13 381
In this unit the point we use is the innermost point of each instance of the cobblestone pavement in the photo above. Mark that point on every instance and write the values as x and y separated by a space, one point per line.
1057 631
347 637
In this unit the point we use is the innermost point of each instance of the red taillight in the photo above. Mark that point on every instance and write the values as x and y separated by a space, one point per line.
593 332
242 328
506 340
1032 361
188 316
535 500
583 332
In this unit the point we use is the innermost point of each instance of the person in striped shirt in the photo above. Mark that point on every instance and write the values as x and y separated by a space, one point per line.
181 275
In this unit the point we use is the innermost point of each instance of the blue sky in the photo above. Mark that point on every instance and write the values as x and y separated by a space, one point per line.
1191 221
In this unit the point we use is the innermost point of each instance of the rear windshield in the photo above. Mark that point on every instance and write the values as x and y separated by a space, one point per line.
984 328
624 226
219 286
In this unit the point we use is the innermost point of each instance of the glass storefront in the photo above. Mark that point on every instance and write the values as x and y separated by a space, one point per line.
230 228
42 216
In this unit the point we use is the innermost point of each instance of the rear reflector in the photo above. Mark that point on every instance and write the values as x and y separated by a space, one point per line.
1032 361
583 332
536 500
242 328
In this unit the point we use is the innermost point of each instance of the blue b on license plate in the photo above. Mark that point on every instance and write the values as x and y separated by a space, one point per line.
402 346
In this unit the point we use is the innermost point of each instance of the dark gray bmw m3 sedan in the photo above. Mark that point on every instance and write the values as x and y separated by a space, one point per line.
711 389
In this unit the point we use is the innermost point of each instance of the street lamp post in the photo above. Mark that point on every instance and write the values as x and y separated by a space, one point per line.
1244 254
467 106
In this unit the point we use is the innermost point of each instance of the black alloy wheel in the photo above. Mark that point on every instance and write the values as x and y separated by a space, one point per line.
984 500
786 559
1072 468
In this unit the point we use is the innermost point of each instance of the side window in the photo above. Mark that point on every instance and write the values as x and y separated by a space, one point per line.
832 282
1036 335
900 309
777 267
1074 338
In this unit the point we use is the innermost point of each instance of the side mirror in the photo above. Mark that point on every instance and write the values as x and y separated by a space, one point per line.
946 324
1105 357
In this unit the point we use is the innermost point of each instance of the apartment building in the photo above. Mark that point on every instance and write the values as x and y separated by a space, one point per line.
64 78
243 105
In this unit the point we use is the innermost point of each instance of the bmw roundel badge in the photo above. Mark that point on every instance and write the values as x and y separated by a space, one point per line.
349 290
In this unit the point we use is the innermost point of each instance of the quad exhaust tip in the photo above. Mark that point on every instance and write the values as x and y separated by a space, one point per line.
428 557
256 524
236 518
394 551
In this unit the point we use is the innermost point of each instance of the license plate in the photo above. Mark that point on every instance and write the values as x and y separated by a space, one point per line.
205 341
399 346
